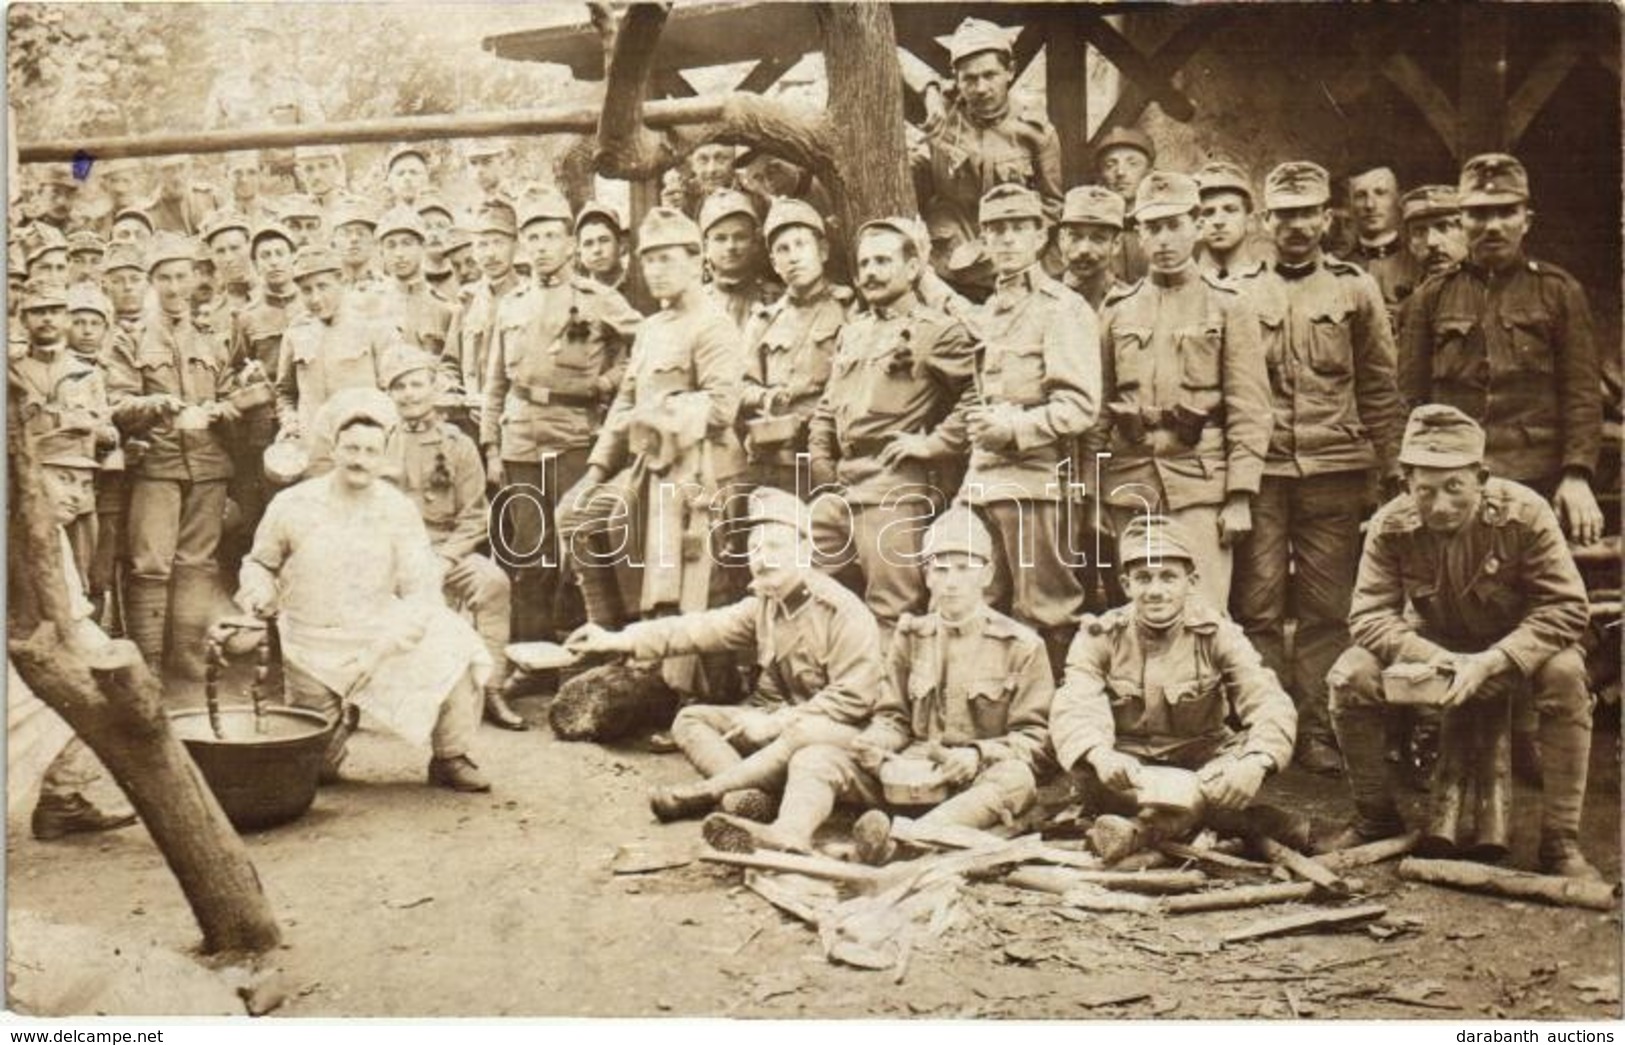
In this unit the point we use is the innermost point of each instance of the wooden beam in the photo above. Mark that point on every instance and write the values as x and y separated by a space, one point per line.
1538 87
1152 77
1423 93
1066 92
767 73
1171 56
1028 43
1481 99
669 83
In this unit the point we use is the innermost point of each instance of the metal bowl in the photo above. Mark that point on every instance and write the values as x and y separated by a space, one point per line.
263 769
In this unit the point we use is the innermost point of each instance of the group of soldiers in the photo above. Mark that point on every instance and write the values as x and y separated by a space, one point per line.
1159 399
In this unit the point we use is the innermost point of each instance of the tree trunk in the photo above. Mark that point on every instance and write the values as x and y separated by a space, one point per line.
869 174
120 715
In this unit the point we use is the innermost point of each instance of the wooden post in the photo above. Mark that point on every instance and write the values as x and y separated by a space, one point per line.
1066 91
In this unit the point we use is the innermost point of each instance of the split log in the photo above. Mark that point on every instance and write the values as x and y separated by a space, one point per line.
1370 853
1243 896
1470 806
1293 923
811 866
1305 868
1181 851
1099 900
610 702
1520 885
955 836
1061 880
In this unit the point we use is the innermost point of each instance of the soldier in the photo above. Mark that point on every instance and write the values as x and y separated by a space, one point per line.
465 264
85 254
670 427
332 346
125 279
1228 250
556 362
419 316
166 389
1337 424
1091 226
439 469
1187 401
964 686
710 168
789 346
437 216
321 173
226 236
893 405
495 240
354 224
1125 155
121 180
247 196
1155 683
984 140
182 204
601 244
45 254
90 321
818 648
345 563
302 216
733 255
132 227
1378 247
491 160
1038 389
52 387
1467 571
1433 233
406 175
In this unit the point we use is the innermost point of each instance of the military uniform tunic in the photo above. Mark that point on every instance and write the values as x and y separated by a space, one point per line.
789 351
419 315
740 298
321 357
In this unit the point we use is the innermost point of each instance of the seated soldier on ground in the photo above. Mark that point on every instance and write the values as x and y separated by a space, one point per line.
1152 684
966 688
819 651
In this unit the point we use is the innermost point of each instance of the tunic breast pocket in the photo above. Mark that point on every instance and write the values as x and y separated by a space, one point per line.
891 394
575 366
1128 705
1016 375
662 377
1456 354
990 706
1196 709
1331 342
1128 356
1200 352
1530 334
1272 326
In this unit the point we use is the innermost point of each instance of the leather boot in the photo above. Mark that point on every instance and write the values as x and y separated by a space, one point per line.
499 714
872 840
458 774
1362 736
1566 752
681 802
195 601
57 816
600 588
146 613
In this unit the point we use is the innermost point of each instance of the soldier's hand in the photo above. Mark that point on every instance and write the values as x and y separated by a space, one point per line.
756 728
867 754
1235 784
495 474
169 405
936 108
1115 769
459 572
990 429
1235 519
591 638
1471 671
959 765
1577 510
903 447
256 599
227 412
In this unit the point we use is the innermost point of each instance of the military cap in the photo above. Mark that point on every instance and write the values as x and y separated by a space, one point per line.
1162 194
1493 179
169 246
603 211
67 448
312 260
1224 176
545 205
406 149
270 230
435 266
770 505
786 211
958 530
223 221
138 214
975 36
456 239
348 404
401 219
1153 537
352 211
1092 205
495 216
1009 201
41 293
486 147
1439 436
666 227
428 203
39 239
403 359
241 160
1127 137
316 152
86 242
122 256
724 203
201 253
88 297
909 228
1427 201
299 205
1297 183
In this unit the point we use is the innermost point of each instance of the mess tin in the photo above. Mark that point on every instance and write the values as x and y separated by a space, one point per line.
1414 684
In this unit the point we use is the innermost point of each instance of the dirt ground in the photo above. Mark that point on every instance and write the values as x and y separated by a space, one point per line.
401 900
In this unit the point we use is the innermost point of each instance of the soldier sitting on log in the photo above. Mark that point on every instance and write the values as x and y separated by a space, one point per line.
966 688
1470 574
1151 685
819 652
